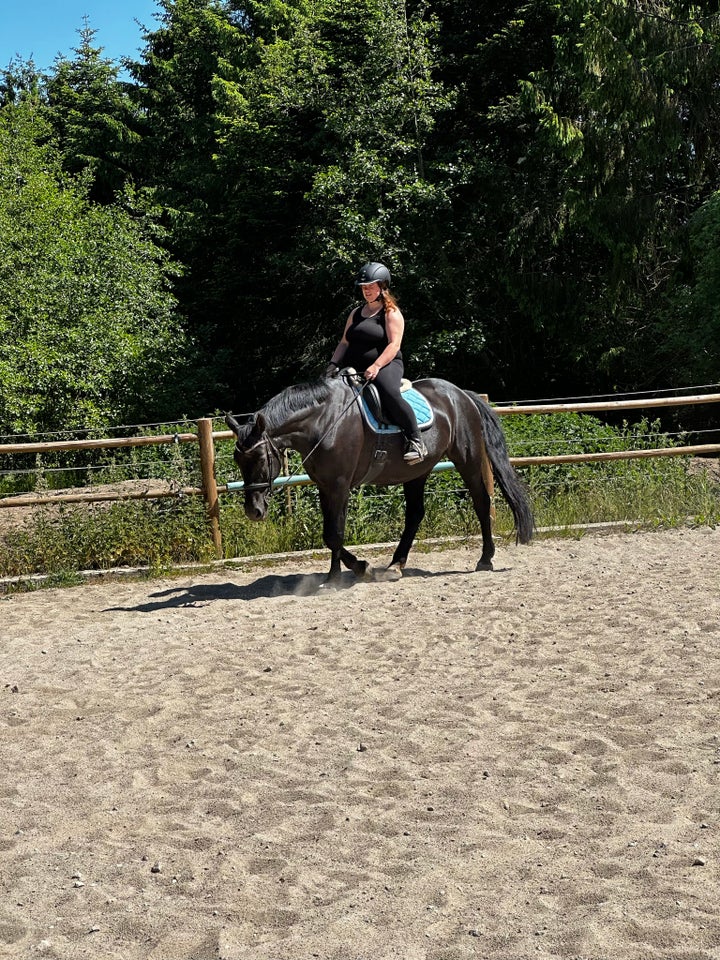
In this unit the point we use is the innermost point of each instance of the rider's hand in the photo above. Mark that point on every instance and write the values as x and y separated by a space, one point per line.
332 370
372 371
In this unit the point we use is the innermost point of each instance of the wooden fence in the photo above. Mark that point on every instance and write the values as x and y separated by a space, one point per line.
206 437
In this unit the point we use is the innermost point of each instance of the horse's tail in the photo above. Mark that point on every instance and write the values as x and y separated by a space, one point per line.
509 482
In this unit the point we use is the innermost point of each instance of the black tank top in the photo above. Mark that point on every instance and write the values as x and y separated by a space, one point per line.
367 338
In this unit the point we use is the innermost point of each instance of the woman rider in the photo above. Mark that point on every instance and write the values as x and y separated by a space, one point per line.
371 342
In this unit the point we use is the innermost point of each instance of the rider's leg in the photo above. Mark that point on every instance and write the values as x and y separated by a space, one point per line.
399 410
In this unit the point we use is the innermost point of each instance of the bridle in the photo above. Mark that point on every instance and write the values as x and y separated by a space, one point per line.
266 442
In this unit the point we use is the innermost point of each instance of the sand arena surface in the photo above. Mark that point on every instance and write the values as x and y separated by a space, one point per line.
516 764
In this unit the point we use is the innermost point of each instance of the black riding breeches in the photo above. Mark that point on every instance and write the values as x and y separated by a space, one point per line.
399 410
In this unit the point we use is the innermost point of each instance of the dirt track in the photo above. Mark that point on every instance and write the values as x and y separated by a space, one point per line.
507 765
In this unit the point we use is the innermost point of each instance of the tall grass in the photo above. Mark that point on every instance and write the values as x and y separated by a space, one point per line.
159 534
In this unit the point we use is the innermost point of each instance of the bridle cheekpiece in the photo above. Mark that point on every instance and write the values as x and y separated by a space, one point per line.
266 441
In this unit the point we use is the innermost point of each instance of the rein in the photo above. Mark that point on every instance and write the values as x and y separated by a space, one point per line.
267 441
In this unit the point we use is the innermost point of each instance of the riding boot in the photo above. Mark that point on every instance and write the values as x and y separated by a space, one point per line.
415 450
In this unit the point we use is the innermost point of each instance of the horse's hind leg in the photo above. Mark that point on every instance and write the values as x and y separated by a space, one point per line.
483 509
414 512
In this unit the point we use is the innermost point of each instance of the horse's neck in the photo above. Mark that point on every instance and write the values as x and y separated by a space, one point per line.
301 414
301 429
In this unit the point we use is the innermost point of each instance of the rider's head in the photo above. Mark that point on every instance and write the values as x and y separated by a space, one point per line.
373 273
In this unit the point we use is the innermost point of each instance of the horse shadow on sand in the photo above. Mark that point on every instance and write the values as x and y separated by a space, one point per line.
267 587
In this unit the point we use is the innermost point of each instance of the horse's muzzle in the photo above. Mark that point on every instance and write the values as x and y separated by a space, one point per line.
255 511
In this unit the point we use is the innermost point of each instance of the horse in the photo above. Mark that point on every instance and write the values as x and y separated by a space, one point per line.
323 422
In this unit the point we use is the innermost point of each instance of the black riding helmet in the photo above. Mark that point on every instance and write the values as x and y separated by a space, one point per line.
373 273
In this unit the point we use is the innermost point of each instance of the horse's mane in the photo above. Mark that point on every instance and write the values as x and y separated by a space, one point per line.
294 399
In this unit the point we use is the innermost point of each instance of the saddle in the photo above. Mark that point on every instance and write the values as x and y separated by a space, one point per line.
376 417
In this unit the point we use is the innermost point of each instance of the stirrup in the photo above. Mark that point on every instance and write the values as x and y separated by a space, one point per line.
415 450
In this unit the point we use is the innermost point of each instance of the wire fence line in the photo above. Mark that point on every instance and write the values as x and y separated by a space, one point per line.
176 472
607 405
521 447
668 391
501 407
106 428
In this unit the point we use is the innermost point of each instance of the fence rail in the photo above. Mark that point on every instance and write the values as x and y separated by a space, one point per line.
109 443
607 405
206 438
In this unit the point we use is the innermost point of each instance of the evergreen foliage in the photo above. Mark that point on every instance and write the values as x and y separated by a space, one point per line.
539 176
92 118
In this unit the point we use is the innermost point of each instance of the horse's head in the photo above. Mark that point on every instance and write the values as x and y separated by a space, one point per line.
260 463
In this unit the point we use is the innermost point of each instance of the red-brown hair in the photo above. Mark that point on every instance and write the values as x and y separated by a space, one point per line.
388 299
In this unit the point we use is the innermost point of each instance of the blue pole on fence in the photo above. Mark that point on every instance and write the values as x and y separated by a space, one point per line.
233 486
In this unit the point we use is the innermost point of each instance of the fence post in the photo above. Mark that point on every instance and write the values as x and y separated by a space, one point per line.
288 492
209 486
486 470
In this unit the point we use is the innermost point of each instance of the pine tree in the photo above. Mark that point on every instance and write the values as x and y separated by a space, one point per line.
93 117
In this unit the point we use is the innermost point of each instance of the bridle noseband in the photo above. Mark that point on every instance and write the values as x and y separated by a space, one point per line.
265 441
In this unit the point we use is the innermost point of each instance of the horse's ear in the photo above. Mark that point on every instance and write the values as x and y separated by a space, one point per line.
241 426
232 423
260 424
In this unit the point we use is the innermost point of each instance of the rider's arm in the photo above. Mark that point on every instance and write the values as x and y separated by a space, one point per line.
342 345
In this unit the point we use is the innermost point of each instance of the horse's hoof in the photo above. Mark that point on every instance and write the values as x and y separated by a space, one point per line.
366 573
389 575
327 586
483 565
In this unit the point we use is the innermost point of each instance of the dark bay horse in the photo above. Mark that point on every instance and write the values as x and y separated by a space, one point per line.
323 422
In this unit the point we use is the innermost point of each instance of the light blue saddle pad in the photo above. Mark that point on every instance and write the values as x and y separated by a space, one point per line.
423 413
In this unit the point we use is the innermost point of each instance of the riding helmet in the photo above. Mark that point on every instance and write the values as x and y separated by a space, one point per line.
373 273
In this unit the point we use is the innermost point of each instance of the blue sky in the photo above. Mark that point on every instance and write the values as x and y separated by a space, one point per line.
44 28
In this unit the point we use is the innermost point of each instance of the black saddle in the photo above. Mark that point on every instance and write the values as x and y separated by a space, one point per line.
372 406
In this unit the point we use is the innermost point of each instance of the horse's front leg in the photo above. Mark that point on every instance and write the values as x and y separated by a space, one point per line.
334 506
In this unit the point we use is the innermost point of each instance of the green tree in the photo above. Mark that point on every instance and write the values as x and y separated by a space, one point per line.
176 164
291 137
93 118
18 80
87 330
625 146
527 168
478 330
688 348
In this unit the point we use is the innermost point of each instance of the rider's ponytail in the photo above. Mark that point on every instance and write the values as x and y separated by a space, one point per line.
389 301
